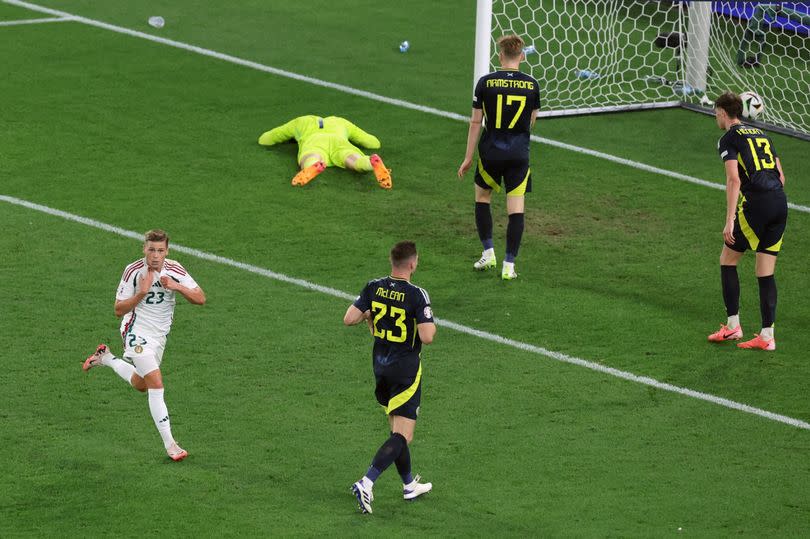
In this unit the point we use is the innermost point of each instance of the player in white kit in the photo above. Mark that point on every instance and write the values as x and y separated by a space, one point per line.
145 300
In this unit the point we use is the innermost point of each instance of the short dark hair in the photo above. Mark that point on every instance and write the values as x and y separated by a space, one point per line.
156 234
402 252
731 103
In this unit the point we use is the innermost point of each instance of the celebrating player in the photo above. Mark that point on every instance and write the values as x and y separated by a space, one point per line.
400 318
145 300
509 100
758 223
324 142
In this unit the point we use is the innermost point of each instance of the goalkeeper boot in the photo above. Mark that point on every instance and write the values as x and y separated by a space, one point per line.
758 343
176 453
308 174
726 334
94 359
415 489
486 261
382 174
364 496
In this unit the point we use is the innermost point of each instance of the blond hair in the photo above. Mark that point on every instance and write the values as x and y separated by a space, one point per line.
511 46
156 234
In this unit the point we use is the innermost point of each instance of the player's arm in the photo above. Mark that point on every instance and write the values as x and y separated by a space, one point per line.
472 139
193 295
355 316
279 134
427 330
534 118
732 196
123 306
361 138
781 174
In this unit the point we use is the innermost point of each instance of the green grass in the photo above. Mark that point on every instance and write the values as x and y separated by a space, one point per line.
273 397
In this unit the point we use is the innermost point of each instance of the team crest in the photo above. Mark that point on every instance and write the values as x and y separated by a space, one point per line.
428 312
138 349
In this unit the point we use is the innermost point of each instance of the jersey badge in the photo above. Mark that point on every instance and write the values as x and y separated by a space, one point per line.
428 312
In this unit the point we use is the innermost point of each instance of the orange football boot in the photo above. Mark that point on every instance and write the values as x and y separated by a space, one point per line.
308 174
382 174
758 343
726 334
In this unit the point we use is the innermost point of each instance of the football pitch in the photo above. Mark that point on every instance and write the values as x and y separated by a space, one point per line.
581 399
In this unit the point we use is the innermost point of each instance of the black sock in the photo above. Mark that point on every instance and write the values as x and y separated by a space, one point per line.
483 222
403 463
514 231
731 289
388 453
767 300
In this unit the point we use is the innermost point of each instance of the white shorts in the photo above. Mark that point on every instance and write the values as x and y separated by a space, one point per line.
145 353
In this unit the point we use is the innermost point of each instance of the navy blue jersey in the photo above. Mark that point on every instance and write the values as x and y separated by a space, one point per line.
508 98
755 156
397 307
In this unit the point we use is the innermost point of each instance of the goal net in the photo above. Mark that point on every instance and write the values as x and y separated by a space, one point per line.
610 55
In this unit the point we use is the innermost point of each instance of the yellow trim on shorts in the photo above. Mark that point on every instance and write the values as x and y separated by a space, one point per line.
406 395
776 246
487 178
520 190
747 231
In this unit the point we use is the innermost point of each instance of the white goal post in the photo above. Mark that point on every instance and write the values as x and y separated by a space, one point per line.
594 56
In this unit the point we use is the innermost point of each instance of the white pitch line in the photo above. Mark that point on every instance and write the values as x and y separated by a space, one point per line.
35 21
558 356
368 95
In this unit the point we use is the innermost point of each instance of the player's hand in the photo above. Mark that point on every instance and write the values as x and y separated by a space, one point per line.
465 166
146 281
728 231
169 283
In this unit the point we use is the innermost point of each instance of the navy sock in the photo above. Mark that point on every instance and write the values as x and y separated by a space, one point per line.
767 300
386 454
403 463
483 222
731 289
514 231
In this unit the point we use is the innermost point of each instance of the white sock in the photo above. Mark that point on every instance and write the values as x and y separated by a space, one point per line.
367 483
488 253
121 367
767 333
160 415
733 321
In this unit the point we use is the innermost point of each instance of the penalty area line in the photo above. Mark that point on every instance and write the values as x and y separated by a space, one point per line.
368 95
485 335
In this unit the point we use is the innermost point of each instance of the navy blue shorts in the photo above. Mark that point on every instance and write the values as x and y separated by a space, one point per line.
516 176
400 395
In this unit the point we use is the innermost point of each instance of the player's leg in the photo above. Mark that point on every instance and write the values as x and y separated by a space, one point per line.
518 181
147 364
765 270
103 356
730 284
484 185
347 155
358 162
766 224
514 233
311 163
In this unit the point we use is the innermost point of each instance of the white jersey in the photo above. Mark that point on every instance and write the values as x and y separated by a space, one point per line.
153 315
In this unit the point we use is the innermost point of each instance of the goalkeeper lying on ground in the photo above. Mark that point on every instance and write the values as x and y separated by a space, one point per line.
323 142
